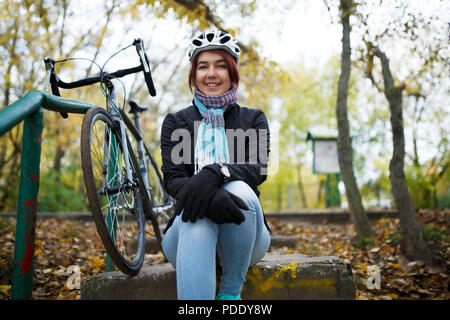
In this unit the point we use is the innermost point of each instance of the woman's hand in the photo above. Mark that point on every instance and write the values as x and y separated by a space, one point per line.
226 208
197 193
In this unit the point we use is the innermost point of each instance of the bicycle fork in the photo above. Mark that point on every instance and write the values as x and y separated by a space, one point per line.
112 108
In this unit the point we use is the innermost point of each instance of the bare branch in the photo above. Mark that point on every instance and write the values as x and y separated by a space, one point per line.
389 84
209 16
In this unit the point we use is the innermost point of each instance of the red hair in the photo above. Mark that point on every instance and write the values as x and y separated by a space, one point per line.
233 70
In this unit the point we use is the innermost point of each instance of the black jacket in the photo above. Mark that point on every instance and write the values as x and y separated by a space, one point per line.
250 167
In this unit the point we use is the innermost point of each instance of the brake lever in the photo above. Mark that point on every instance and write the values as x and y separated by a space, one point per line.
139 44
140 50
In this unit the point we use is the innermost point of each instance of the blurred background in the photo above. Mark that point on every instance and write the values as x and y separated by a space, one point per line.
290 68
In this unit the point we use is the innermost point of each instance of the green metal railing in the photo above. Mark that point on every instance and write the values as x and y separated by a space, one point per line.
30 110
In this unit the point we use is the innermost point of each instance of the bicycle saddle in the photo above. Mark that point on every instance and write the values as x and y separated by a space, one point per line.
135 107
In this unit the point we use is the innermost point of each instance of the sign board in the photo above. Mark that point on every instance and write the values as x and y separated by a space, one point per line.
325 156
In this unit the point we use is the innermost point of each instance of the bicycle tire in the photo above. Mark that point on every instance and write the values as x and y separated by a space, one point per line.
111 197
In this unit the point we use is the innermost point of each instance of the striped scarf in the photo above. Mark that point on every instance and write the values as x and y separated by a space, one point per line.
211 146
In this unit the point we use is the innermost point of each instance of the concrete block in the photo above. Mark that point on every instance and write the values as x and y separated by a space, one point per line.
298 277
283 241
277 276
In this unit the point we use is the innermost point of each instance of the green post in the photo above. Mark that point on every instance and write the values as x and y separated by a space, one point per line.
333 197
29 109
27 206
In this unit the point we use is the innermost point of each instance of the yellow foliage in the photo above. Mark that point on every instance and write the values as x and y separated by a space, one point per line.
5 289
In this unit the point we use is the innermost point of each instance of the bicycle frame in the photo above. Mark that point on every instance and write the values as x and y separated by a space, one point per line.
122 121
141 154
113 110
119 184
120 118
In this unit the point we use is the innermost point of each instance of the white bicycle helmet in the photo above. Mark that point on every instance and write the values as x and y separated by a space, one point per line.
214 39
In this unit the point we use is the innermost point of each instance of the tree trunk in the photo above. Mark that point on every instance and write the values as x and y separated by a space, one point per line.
279 199
414 244
357 212
300 186
9 160
58 159
320 191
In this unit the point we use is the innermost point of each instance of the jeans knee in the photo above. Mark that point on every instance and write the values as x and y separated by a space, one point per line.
243 191
201 229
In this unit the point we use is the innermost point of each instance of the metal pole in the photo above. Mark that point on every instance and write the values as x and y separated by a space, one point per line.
333 197
27 206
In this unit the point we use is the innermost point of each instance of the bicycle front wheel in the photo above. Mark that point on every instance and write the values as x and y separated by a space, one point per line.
114 199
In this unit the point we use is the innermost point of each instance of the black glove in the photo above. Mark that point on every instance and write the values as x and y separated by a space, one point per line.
224 208
197 193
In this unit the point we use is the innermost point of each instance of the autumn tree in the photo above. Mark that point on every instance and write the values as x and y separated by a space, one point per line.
25 29
422 43
422 37
357 211
414 243
30 31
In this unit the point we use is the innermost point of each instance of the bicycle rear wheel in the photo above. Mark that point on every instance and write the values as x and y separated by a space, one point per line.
115 202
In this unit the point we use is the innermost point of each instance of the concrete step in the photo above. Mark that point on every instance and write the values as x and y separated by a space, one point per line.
326 216
152 246
319 216
277 277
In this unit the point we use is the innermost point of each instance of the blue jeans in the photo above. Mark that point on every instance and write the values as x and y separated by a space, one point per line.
191 249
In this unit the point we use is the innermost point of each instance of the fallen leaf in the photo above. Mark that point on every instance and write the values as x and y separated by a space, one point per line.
392 295
5 289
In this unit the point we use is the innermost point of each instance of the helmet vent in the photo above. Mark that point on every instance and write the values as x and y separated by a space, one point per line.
225 39
210 37
211 40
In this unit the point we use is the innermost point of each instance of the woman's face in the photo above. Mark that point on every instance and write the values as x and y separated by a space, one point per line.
211 76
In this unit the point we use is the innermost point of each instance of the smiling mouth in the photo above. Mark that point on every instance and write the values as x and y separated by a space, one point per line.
212 85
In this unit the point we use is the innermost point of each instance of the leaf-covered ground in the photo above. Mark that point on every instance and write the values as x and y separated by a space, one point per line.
60 244
400 278
64 243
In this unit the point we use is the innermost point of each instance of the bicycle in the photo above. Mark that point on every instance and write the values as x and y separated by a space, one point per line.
122 190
